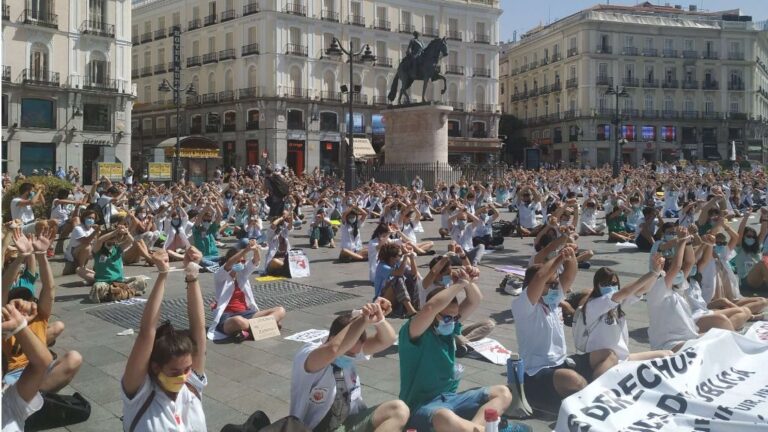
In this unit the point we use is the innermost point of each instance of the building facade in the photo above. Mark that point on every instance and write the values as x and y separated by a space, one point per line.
267 90
695 81
66 80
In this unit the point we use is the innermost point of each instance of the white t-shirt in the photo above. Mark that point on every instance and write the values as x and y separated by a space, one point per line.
16 410
696 301
609 333
540 330
184 414
312 394
76 239
373 258
463 237
670 320
527 213
60 213
24 213
589 218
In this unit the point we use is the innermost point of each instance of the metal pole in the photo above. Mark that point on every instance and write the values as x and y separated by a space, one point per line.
351 175
616 137
177 157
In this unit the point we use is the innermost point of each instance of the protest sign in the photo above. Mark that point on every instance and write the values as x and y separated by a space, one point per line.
263 327
311 335
492 350
715 383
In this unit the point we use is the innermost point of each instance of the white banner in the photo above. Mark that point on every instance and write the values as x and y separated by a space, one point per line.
718 382
492 350
758 331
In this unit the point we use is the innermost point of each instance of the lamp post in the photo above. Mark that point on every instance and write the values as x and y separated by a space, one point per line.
618 92
165 86
365 54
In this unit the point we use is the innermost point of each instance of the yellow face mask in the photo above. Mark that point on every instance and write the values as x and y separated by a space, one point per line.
172 384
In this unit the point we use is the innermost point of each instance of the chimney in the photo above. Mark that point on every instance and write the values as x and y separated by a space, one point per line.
692 8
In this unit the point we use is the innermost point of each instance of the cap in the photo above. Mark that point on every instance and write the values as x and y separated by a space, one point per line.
491 415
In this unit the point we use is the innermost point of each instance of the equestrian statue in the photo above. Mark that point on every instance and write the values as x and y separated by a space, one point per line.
420 63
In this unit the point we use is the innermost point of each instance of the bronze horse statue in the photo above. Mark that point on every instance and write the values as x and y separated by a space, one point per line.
422 68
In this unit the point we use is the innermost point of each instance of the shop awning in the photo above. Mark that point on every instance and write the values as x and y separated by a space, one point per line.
195 147
362 148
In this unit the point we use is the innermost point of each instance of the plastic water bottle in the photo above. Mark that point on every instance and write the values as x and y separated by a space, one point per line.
491 420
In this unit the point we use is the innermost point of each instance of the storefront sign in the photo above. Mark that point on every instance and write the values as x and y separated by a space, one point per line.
110 170
159 171
194 153
97 142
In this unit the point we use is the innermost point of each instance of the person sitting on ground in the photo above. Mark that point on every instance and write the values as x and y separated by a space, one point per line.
390 280
646 229
176 239
142 227
616 221
325 384
164 376
751 266
64 211
452 208
484 232
351 242
78 250
380 236
38 311
429 375
464 226
235 304
23 398
425 207
408 223
204 233
528 203
550 374
279 245
321 231
588 224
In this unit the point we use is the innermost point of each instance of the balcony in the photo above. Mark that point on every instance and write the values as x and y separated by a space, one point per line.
97 28
454 35
556 57
135 73
146 71
170 66
454 70
383 62
229 127
557 86
6 12
210 98
733 115
209 20
630 113
194 24
228 15
482 72
249 49
250 9
524 68
484 108
482 38
709 85
160 69
431 32
604 49
690 85
356 20
146 37
670 84
211 128
40 77
690 54
651 52
193 61
736 85
603 80
631 51
572 52
735 55
295 9
161 34
227 54
669 53
570 114
252 125
650 83
297 93
690 114
211 58
33 17
711 115
329 15
330 96
135 40
226 96
572 83
544 61
249 93
296 49
710 55
382 25
649 113
669 114
457 106
407 28
380 100
6 73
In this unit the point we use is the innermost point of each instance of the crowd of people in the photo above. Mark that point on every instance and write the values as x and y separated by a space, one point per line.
702 274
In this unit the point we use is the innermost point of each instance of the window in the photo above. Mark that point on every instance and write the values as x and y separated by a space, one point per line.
196 126
603 132
573 133
649 73
669 103
709 105
602 70
146 127
96 117
669 44
648 133
98 71
649 43
688 105
688 45
329 121
628 132
453 25
558 135
295 119
160 126
478 130
629 41
358 123
176 19
668 133
160 22
734 106
38 113
230 118
5 114
38 63
37 156
253 120
572 43
454 128
669 74
648 105
212 8
405 18
629 70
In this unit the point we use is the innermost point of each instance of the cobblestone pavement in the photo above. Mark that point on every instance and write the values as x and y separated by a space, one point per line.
256 375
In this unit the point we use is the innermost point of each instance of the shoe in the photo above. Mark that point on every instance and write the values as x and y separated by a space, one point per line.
461 350
430 252
584 265
241 336
507 425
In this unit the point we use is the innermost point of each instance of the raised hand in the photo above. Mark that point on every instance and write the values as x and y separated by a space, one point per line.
160 256
384 305
41 242
23 244
12 318
657 262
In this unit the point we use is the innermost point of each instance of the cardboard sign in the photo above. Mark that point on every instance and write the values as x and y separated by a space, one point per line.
311 336
263 327
492 350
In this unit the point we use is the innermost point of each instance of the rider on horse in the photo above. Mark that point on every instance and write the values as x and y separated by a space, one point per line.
415 48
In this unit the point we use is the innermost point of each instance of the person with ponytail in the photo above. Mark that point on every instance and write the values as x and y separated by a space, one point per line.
165 374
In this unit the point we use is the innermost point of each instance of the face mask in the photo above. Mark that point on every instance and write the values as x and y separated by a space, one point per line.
31 194
446 280
553 297
206 225
287 206
669 237
721 251
89 221
445 329
461 224
352 219
349 202
171 384
609 290
749 241
344 362
694 270
679 278
142 216
237 268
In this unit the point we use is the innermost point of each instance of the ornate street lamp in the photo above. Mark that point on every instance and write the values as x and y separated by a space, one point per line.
165 87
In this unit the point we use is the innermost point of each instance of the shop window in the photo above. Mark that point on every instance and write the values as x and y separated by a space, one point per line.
329 122
38 113
96 117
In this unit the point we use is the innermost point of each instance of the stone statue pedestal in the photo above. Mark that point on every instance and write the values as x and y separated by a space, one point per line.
416 134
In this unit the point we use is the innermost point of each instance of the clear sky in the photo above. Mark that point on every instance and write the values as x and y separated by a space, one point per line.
522 15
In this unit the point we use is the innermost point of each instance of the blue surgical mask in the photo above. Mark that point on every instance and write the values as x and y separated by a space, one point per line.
609 290
344 362
352 219
89 221
749 241
445 328
206 225
679 279
237 268
461 224
552 297
721 251
31 194
446 280
175 222
694 271
669 237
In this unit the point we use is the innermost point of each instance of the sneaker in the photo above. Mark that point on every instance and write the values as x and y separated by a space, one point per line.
241 336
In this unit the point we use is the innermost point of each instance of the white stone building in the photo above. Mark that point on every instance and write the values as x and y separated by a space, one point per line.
66 84
267 90
696 81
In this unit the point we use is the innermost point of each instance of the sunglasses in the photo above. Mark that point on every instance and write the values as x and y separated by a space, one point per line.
449 318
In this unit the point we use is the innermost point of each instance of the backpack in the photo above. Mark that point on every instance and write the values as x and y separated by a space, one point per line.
59 411
281 185
580 330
